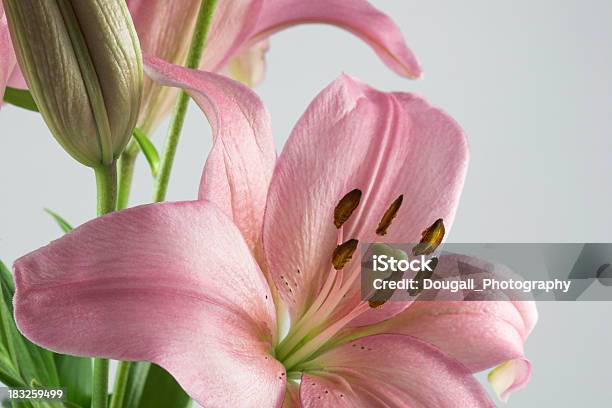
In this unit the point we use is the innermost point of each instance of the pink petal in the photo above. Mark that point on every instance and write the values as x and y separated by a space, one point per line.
164 29
249 67
260 19
7 56
16 79
239 167
233 22
479 334
353 136
509 377
389 371
170 283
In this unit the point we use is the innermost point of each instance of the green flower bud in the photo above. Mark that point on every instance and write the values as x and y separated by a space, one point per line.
82 62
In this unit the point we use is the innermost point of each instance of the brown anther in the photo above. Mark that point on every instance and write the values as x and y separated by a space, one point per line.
343 253
422 275
431 238
346 206
389 215
374 304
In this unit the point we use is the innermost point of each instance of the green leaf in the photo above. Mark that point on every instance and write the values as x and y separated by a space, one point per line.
150 386
20 97
6 278
63 224
75 374
148 149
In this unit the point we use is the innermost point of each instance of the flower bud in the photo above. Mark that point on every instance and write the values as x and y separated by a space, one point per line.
82 62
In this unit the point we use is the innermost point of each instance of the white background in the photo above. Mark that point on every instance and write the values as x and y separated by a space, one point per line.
527 80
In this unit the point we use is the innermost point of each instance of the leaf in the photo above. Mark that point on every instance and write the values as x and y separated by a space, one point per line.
21 98
75 374
150 386
63 224
6 278
148 149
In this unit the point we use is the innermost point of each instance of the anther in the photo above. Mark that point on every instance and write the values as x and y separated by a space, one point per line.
343 253
421 276
389 215
431 238
381 296
346 206
374 304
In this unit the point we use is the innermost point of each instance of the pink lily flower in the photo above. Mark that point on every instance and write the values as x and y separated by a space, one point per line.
202 288
237 41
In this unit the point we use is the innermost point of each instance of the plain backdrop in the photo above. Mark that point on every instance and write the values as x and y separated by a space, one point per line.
529 81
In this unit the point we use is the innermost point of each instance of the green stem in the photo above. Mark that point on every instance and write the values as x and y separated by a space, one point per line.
99 398
121 378
125 171
203 22
106 183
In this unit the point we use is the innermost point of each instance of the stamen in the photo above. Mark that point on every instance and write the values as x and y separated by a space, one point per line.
431 238
343 253
346 206
421 276
381 296
389 215
374 304
315 343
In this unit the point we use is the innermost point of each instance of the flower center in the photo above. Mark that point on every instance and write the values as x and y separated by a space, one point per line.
323 320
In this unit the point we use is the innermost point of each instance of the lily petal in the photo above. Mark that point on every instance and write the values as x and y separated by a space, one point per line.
353 136
509 377
164 283
356 16
16 79
7 56
164 29
249 67
389 371
239 167
479 334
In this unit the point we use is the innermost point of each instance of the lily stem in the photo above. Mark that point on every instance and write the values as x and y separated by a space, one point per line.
125 171
106 186
121 378
203 23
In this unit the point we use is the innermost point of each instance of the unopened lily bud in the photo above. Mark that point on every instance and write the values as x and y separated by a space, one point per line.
82 62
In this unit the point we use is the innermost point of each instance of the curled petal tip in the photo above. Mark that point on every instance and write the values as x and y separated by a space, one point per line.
509 377
358 17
